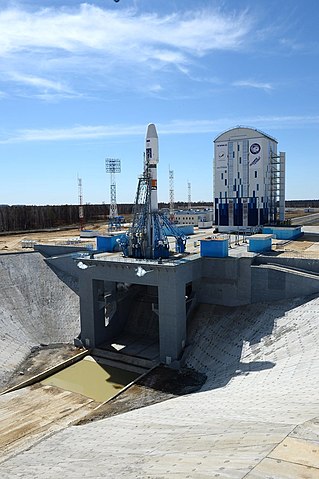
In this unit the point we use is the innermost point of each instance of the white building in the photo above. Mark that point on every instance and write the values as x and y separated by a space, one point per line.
249 179
200 218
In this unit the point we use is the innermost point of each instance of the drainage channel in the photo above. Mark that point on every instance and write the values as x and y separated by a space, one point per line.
93 377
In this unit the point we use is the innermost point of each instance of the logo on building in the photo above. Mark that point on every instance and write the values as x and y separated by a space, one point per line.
255 160
255 148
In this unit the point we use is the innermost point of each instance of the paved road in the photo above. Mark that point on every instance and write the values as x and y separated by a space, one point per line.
307 219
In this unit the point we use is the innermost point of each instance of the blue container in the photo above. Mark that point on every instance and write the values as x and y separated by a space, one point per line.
106 244
214 248
282 232
260 243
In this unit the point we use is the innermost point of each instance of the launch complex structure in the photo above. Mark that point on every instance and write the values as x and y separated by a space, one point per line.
145 295
148 235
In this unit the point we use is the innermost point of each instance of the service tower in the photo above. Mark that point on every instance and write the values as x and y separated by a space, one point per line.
148 236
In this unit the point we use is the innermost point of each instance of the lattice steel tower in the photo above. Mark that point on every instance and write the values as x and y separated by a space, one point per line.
189 187
112 166
171 195
81 209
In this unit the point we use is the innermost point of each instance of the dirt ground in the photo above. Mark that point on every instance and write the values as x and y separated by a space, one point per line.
40 359
160 384
16 242
35 412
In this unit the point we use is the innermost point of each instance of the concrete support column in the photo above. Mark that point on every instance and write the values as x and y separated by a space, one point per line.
92 307
172 318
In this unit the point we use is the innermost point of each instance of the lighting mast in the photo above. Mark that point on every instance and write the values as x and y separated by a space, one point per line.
112 166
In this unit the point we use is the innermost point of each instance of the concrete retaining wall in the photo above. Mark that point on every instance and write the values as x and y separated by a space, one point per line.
225 281
273 283
57 250
36 307
311 265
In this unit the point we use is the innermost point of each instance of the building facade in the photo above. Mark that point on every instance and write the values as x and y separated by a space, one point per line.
249 179
200 218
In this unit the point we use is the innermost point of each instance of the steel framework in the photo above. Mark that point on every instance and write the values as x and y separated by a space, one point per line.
277 188
112 166
171 195
189 188
81 209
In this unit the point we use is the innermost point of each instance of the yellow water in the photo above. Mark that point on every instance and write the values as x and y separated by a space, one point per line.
93 380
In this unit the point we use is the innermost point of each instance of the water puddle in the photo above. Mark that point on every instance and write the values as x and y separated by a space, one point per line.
91 379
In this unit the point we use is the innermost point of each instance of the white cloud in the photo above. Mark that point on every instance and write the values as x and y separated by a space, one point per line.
92 28
253 84
90 132
78 41
38 82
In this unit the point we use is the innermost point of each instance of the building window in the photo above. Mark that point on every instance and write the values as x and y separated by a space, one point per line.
238 147
233 154
238 175
255 174
225 182
257 187
222 176
240 160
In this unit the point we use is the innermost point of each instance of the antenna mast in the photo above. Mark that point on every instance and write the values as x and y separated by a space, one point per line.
171 195
81 209
189 195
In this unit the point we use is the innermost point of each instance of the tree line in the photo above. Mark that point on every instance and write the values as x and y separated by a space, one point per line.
30 218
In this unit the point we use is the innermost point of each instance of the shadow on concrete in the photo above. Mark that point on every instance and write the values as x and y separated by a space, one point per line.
222 341
67 279
160 384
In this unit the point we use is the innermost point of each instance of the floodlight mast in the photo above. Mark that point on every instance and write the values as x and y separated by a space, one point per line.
112 166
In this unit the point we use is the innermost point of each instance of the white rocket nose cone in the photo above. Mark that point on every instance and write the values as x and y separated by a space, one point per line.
151 131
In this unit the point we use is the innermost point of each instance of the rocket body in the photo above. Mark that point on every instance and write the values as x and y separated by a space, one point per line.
151 161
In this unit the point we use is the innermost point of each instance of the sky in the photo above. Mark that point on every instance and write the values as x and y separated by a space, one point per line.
80 82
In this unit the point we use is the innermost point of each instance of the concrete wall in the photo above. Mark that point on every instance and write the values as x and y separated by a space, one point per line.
225 281
58 250
273 283
311 265
36 306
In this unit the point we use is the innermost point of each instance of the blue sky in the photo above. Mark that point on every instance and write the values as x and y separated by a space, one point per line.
79 82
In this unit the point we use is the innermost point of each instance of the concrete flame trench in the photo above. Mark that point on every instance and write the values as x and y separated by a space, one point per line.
103 314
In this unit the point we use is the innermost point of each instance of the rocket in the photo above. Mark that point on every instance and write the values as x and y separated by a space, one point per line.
151 160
